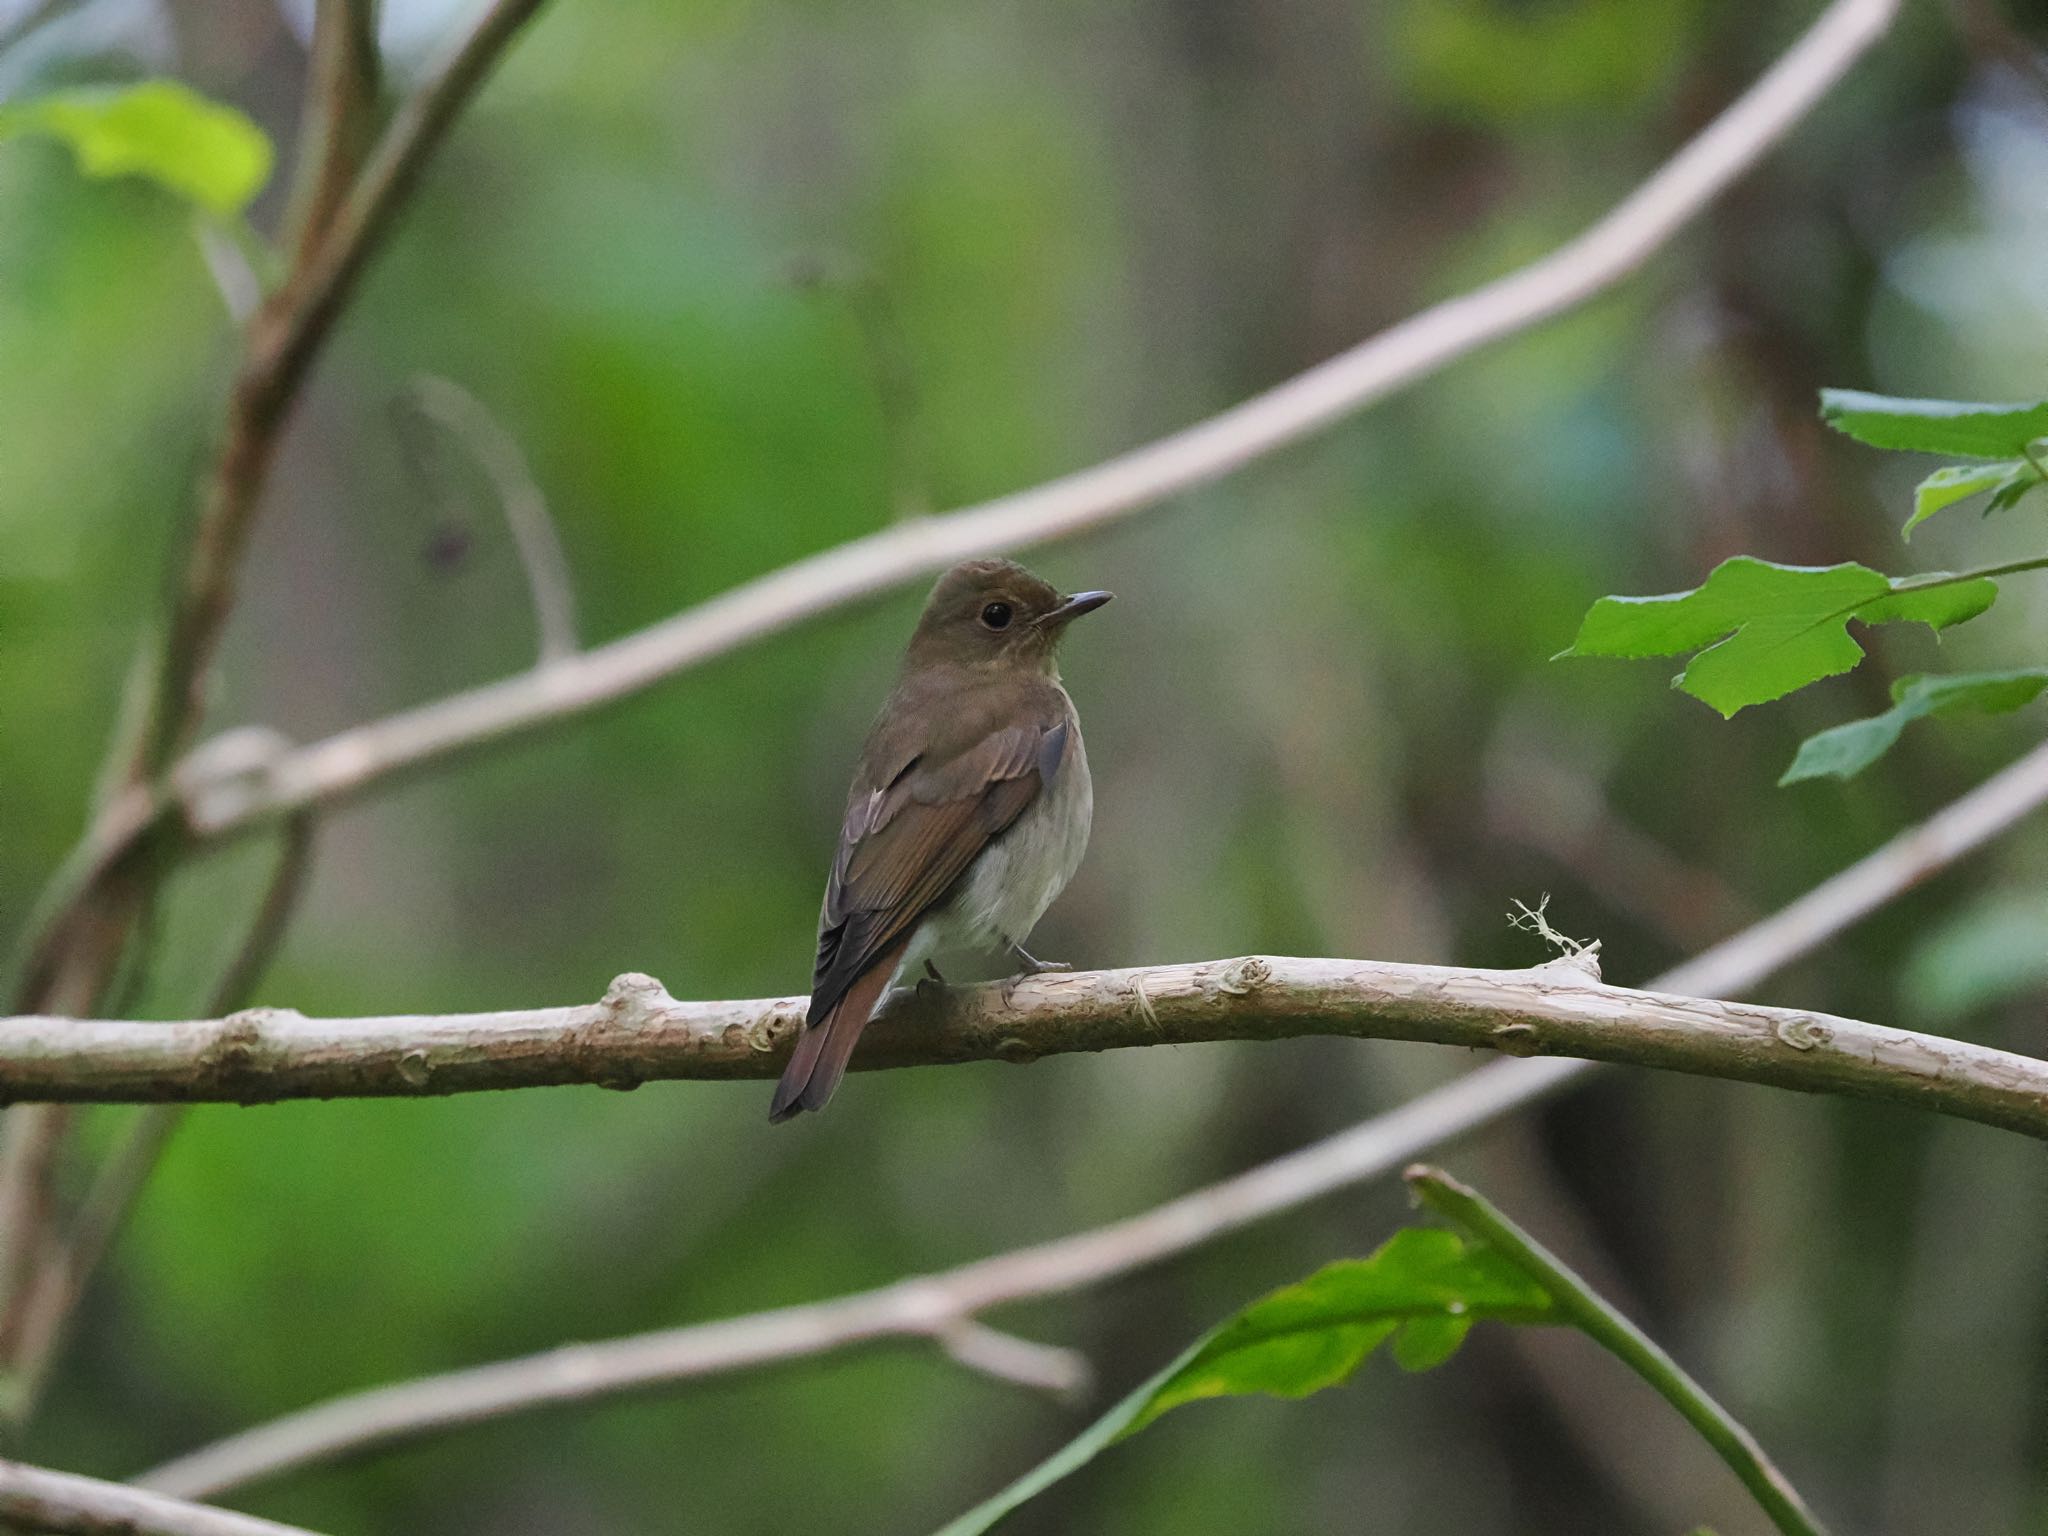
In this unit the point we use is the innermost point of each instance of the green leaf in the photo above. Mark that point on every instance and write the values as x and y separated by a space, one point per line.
198 149
1971 429
1937 600
1310 1336
1849 749
1427 1342
1763 630
2013 489
1993 952
2010 479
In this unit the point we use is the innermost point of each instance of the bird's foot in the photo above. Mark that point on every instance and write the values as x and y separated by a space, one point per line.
1030 965
931 979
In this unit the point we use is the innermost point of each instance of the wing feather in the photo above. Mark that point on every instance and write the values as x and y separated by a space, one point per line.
903 845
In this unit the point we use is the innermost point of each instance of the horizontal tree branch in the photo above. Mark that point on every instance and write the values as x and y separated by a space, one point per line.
35 1499
1610 250
637 1033
926 1305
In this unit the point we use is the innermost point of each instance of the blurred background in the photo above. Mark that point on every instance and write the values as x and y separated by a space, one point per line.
748 279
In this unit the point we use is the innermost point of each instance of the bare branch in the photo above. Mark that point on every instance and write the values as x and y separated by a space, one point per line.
638 1033
456 411
916 1307
35 1499
338 121
1622 241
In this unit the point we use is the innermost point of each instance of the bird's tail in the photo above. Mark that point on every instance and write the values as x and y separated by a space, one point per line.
822 1050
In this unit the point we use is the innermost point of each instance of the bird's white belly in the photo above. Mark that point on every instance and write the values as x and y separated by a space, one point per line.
1007 889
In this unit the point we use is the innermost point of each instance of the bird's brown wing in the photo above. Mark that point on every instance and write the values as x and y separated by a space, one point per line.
905 843
902 846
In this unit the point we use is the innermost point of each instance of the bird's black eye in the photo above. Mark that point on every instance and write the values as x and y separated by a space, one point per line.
996 615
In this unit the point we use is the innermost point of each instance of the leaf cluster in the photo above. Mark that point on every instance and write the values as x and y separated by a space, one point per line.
1755 631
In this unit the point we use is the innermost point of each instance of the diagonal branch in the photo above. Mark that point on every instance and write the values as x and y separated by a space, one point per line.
1614 247
338 121
81 942
106 890
52 1292
916 1307
35 1499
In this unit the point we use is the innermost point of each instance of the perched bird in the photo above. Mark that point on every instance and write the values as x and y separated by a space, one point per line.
968 814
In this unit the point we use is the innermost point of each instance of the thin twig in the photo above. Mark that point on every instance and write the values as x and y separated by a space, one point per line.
1064 1373
52 1295
36 1499
339 120
352 761
450 408
1583 1307
913 1308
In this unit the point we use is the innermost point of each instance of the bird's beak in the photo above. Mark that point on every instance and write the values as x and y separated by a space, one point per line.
1073 607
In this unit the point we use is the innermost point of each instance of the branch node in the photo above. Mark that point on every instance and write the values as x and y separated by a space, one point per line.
1804 1033
221 774
773 1029
415 1069
1243 977
234 1057
632 997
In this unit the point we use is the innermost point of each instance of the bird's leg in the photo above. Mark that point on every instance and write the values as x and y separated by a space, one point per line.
933 972
931 978
1030 965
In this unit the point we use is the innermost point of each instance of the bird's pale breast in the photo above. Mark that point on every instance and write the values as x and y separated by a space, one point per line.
1008 887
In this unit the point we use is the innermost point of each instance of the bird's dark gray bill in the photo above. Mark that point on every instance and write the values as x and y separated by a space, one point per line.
1075 606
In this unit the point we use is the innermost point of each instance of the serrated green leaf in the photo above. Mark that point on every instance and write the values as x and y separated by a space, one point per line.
1848 749
1959 482
1762 630
1310 1336
1969 428
204 152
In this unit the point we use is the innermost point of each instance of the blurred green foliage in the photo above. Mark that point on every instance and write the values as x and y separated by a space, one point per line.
1321 721
159 130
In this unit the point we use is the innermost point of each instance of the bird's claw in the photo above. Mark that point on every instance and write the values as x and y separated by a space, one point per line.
1030 965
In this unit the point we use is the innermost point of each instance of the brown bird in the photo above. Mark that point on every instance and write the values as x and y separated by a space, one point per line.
968 814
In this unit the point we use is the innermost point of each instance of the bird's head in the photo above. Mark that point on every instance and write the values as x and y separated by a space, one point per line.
995 613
